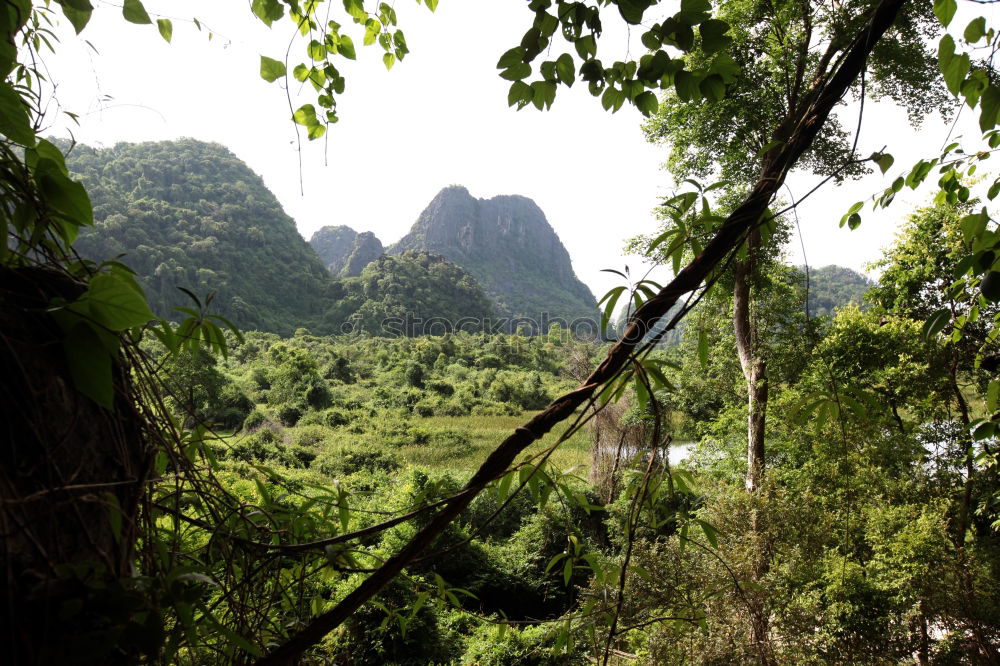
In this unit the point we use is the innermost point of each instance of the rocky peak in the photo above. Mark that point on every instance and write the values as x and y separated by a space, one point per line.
508 245
365 249
334 245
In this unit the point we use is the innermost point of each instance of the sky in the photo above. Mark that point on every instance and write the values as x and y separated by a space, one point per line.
440 117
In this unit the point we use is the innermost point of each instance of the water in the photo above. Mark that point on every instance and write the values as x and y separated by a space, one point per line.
677 452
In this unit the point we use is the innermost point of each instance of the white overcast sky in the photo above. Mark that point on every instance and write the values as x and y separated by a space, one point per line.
438 118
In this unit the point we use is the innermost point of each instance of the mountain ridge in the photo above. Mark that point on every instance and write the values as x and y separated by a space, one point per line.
508 245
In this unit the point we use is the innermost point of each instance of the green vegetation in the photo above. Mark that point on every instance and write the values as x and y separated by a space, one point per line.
191 214
833 287
412 293
341 524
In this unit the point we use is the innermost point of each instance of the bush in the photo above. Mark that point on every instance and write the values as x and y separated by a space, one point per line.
353 459
441 387
308 436
254 420
335 418
289 415
318 395
531 646
425 408
303 455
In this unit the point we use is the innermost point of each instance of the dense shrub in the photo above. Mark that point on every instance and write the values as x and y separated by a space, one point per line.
353 459
254 420
289 415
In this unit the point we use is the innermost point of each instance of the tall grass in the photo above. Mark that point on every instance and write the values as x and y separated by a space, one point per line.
484 434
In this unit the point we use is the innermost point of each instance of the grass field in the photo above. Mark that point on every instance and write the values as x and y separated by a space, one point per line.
484 434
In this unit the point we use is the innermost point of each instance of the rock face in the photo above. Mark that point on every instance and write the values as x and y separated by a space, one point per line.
507 244
344 251
334 244
366 249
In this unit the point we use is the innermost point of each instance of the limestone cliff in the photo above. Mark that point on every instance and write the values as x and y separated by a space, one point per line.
507 244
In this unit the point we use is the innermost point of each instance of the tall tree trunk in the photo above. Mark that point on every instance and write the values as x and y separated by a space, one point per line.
71 483
988 652
753 364
754 368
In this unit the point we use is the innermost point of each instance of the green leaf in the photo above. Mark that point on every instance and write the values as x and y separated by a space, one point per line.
686 85
710 533
14 122
974 87
884 161
89 364
270 69
945 10
976 30
268 11
713 36
610 300
78 15
62 193
134 12
586 46
431 4
647 103
990 108
315 49
511 57
936 323
990 286
116 301
166 29
554 560
651 40
566 69
713 88
356 9
346 48
612 99
955 73
520 93
992 394
521 70
632 10
388 60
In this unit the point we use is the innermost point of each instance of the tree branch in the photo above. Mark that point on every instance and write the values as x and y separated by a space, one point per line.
745 217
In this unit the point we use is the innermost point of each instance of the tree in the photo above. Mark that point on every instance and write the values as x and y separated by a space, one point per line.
783 50
40 178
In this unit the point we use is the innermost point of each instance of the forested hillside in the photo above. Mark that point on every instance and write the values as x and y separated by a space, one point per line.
832 287
412 293
191 214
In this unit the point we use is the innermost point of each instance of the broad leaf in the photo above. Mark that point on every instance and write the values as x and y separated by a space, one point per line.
14 122
134 12
116 302
166 29
270 69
